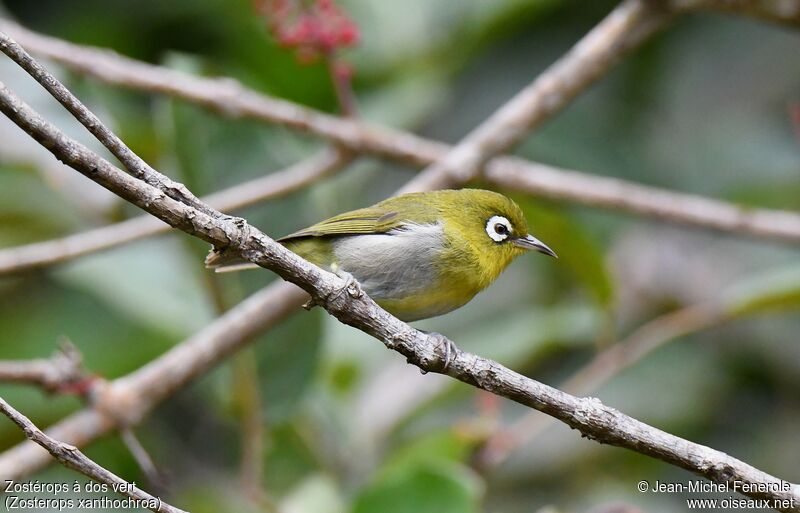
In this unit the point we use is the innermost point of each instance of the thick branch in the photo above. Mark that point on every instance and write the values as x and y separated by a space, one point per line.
274 185
228 97
70 456
593 419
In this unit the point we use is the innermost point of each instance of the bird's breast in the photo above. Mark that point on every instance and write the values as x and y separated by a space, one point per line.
404 270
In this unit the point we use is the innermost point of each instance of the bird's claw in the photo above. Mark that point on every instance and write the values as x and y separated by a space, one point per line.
351 285
447 346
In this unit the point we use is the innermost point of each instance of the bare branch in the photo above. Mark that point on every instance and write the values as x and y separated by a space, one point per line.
274 185
616 194
627 352
141 456
61 371
135 165
626 27
604 366
139 392
122 399
71 457
229 98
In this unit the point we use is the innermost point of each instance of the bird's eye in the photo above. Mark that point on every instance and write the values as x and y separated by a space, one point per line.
498 228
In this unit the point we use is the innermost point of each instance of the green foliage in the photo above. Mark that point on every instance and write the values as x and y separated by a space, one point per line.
347 425
20 189
287 358
435 488
578 252
773 291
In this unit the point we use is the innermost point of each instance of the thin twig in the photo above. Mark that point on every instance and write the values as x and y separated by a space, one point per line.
626 27
71 457
662 204
228 97
141 456
61 372
135 165
124 400
148 386
274 185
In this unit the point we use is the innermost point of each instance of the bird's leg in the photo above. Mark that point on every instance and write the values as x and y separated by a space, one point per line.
447 346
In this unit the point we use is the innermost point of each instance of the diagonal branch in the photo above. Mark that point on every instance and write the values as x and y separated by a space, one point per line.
630 23
71 457
121 400
274 185
142 390
135 165
228 97
605 365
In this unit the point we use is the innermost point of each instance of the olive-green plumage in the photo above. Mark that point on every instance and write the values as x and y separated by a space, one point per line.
421 254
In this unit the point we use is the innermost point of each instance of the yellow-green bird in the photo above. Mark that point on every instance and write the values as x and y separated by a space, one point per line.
418 255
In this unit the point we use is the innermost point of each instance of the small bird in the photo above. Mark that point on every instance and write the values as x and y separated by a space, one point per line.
418 255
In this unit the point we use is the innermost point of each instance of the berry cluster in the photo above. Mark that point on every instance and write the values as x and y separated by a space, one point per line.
314 28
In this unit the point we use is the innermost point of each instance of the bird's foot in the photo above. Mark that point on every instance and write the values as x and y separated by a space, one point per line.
351 285
446 346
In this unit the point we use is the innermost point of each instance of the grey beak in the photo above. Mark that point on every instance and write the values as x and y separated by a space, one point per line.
531 242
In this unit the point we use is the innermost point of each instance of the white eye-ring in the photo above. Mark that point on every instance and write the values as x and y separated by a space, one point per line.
499 228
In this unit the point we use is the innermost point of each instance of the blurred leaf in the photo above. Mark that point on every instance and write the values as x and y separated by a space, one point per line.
30 210
288 459
210 152
316 494
406 101
575 247
778 194
434 488
527 330
151 282
288 357
430 449
36 315
211 495
343 376
776 290
693 369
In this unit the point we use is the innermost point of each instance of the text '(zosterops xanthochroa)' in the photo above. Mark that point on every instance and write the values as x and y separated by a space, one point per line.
418 255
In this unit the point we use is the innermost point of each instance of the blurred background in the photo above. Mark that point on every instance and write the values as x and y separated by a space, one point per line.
317 417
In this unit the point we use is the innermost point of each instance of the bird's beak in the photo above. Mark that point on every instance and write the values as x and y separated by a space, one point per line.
531 242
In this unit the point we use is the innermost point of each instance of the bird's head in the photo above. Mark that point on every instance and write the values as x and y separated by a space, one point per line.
494 226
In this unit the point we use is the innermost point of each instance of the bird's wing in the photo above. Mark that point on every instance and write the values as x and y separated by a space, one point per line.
362 221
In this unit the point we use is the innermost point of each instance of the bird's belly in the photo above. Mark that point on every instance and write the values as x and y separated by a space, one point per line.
423 306
400 273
